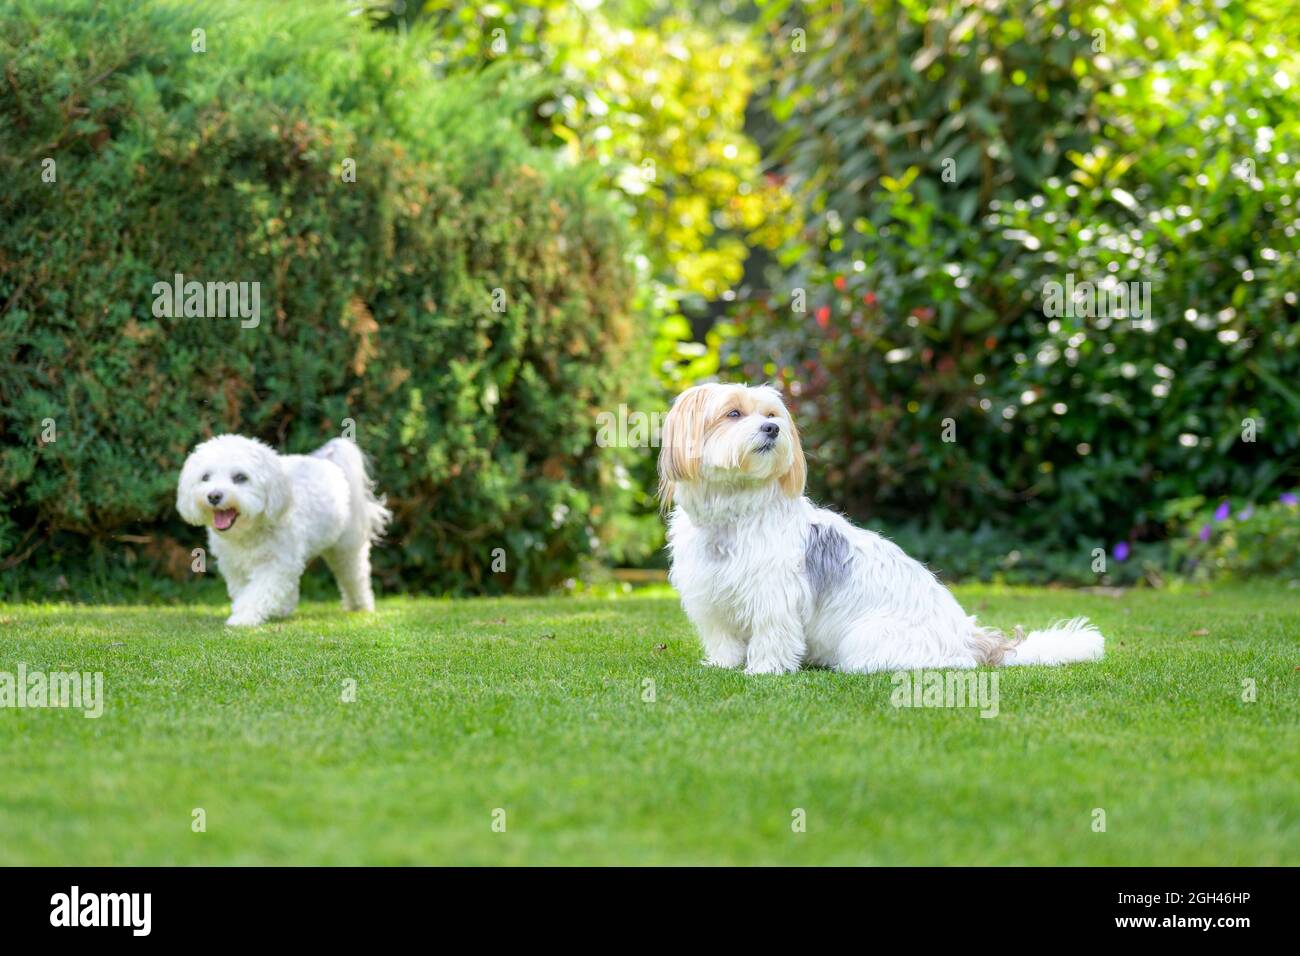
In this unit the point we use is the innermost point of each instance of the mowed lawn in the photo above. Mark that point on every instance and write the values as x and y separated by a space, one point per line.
542 709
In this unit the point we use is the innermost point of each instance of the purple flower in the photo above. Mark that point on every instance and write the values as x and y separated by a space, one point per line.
1223 512
1205 533
1121 551
1289 498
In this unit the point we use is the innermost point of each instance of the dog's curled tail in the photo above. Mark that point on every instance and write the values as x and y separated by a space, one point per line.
373 516
1063 643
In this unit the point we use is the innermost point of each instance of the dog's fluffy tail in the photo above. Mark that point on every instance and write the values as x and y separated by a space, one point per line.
369 509
1063 643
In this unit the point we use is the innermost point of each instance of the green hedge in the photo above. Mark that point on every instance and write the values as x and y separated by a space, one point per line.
954 160
465 301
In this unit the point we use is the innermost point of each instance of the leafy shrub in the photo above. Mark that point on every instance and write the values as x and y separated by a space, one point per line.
656 96
926 373
465 301
1218 542
1192 191
990 553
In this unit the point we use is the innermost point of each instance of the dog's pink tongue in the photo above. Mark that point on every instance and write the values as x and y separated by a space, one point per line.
223 518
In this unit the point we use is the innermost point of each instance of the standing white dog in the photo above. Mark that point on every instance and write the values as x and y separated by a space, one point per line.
269 515
773 582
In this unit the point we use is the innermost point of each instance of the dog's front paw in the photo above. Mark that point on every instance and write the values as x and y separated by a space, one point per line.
768 667
244 619
719 662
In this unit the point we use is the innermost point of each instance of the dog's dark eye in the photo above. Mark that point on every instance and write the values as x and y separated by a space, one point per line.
734 413
205 477
239 478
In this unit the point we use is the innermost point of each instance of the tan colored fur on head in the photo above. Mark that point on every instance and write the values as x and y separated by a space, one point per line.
794 480
679 444
696 413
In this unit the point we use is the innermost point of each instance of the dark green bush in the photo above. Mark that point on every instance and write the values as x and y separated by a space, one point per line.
928 377
377 295
1192 189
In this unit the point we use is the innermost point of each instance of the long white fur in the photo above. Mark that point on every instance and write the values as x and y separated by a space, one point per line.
291 509
739 542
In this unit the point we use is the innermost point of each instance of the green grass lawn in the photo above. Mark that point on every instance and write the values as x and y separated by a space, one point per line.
536 707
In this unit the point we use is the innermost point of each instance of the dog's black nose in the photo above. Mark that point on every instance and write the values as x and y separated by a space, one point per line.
214 497
770 429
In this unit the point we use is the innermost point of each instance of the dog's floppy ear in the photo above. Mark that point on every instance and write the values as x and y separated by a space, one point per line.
279 490
794 480
679 444
185 492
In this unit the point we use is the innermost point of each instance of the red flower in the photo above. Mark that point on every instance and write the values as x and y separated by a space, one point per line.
840 283
824 316
869 298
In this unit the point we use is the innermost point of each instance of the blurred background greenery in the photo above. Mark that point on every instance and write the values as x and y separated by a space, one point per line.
863 202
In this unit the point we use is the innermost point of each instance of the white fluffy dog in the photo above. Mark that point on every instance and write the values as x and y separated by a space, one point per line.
269 515
772 582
